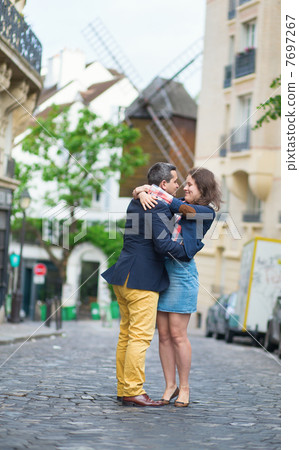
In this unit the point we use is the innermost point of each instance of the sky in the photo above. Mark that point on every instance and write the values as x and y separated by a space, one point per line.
151 34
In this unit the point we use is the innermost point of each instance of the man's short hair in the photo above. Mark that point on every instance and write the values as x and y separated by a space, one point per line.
159 172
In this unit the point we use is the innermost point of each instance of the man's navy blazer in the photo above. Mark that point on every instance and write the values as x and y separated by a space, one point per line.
147 240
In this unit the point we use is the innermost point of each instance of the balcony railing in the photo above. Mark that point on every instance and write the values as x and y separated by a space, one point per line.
252 216
228 73
15 30
231 9
245 63
240 138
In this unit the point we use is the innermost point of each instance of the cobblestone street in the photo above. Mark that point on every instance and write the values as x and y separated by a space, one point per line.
60 393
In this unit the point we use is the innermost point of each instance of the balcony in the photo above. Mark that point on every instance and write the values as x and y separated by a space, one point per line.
231 9
228 73
245 63
19 35
240 138
252 216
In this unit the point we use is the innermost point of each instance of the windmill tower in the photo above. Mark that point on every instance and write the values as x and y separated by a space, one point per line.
164 112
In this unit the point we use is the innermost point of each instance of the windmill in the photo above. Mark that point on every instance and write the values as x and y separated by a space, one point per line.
164 133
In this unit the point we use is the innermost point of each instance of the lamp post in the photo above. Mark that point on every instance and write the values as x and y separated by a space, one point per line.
17 297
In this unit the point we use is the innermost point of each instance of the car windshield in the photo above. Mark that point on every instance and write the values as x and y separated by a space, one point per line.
232 299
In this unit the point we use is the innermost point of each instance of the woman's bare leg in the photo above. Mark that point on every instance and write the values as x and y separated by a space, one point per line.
167 354
178 324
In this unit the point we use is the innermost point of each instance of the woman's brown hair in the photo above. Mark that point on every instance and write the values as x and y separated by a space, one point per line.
208 187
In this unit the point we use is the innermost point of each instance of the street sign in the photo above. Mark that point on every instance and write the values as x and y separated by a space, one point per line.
40 269
14 260
39 279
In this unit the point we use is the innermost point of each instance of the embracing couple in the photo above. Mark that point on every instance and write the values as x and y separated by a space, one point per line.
155 279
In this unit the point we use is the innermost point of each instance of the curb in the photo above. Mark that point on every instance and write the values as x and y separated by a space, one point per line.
30 337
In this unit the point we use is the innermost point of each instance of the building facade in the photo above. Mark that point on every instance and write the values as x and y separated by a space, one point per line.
241 59
20 85
70 81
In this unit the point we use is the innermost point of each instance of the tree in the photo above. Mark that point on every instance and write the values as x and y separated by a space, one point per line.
272 106
79 158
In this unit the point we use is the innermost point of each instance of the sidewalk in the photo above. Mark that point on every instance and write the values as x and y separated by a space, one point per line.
11 333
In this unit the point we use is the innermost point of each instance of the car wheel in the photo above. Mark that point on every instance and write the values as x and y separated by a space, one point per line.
229 335
267 343
219 336
209 333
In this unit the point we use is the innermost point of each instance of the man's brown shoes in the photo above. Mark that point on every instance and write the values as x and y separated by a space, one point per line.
141 400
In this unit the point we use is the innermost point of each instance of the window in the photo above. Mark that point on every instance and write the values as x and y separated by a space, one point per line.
253 205
96 196
249 35
241 135
225 196
231 52
244 108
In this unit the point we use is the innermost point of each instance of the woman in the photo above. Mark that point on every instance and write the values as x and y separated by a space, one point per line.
180 300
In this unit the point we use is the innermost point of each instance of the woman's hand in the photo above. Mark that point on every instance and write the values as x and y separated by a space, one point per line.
139 189
147 200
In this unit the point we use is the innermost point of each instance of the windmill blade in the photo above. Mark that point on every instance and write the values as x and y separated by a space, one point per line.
109 52
189 59
162 129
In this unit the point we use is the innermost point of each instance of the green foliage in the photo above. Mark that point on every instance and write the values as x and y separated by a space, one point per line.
272 106
71 155
79 157
98 235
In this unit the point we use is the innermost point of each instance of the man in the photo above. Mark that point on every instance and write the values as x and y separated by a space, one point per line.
137 278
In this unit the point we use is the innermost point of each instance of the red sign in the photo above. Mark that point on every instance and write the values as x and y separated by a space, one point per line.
40 269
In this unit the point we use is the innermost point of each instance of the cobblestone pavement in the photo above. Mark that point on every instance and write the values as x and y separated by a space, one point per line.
60 393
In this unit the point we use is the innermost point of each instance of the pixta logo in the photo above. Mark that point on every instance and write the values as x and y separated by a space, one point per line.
57 224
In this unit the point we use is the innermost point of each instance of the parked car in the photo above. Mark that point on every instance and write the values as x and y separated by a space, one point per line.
223 315
213 314
273 334
231 319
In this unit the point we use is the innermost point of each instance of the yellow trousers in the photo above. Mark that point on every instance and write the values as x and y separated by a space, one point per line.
138 311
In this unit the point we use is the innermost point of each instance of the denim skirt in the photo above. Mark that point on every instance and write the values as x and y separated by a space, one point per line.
181 296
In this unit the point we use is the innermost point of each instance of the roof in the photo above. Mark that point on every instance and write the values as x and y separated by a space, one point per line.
97 89
47 93
172 98
45 112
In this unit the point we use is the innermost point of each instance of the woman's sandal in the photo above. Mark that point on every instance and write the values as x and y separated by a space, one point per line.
175 394
182 404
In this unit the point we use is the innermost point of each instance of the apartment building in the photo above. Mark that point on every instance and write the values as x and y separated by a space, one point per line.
241 59
20 85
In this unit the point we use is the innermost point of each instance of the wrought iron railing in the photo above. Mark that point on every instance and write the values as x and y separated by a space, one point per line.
231 9
228 73
245 63
240 138
18 33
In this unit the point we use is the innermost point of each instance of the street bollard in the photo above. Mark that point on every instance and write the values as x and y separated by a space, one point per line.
49 311
58 312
